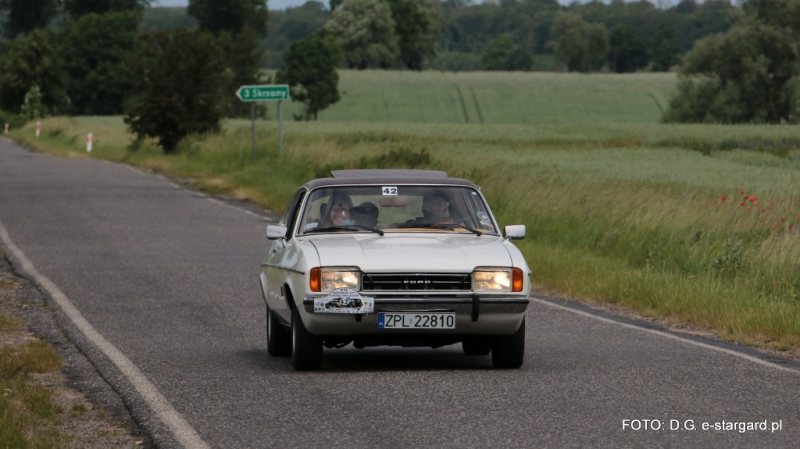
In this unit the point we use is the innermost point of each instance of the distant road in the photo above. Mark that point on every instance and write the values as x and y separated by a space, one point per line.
161 282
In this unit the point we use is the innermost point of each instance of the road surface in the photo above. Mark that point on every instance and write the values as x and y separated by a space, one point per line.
157 284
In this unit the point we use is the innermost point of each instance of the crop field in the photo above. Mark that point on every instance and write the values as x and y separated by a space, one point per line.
496 97
694 223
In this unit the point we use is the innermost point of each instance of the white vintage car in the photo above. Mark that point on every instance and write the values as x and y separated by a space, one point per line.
393 257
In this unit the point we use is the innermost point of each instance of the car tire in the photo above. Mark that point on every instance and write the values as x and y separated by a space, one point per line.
279 340
476 347
508 351
306 347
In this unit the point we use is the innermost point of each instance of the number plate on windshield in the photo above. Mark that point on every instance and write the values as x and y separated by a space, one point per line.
412 320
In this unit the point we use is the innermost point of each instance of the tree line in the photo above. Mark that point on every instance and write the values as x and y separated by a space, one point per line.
168 84
475 36
102 60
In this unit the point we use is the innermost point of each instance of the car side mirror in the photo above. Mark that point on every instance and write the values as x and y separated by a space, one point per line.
514 232
275 232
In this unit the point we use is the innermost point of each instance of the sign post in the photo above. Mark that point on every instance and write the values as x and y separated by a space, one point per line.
265 92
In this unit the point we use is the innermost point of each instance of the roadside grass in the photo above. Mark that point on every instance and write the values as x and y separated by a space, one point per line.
28 409
646 215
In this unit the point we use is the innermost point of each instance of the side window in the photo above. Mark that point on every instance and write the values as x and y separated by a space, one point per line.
290 215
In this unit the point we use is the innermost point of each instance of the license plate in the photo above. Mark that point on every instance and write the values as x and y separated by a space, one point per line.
411 320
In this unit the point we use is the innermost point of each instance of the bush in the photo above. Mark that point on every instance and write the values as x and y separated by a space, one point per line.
14 120
501 53
309 68
179 78
95 50
749 74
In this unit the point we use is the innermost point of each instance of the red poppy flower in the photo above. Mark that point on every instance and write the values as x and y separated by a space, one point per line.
742 204
753 198
723 198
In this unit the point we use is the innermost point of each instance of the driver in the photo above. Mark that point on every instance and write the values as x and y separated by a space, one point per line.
434 209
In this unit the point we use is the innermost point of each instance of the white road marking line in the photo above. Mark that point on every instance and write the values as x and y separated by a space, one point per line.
177 186
182 431
670 336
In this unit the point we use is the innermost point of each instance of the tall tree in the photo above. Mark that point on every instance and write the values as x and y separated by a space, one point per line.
29 62
95 51
627 50
230 15
417 26
78 8
502 53
665 51
365 32
242 56
238 25
749 74
23 16
309 68
178 77
578 44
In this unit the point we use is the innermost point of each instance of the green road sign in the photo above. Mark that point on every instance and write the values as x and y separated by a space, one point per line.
266 92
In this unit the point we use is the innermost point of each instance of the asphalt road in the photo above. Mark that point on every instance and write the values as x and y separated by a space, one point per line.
165 279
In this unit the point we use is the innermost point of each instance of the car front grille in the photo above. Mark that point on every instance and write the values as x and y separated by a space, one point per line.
417 282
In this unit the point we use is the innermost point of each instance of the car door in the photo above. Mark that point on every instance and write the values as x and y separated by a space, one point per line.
275 263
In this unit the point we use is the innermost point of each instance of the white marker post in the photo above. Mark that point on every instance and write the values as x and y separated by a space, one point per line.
38 128
6 128
89 139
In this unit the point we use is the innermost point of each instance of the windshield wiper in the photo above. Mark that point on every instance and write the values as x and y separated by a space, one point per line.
353 227
450 226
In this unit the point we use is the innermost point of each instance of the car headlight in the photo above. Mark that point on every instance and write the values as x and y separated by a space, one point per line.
327 279
505 280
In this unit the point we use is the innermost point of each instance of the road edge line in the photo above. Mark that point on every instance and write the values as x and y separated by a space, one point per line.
181 430
664 334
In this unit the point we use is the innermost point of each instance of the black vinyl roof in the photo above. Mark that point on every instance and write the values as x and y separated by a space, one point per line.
388 177
388 172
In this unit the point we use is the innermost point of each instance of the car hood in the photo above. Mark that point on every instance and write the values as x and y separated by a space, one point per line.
402 253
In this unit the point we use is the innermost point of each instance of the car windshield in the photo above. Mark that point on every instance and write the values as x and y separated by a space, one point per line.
396 209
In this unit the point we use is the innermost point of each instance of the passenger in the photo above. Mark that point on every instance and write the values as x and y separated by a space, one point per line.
337 212
365 214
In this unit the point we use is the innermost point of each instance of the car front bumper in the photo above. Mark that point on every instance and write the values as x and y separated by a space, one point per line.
475 315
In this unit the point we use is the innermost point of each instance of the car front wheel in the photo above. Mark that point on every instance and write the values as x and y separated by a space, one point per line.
279 342
306 347
508 351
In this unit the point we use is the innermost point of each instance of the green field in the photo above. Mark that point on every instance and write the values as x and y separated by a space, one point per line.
618 208
497 97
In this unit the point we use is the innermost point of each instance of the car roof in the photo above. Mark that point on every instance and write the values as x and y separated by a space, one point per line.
388 177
